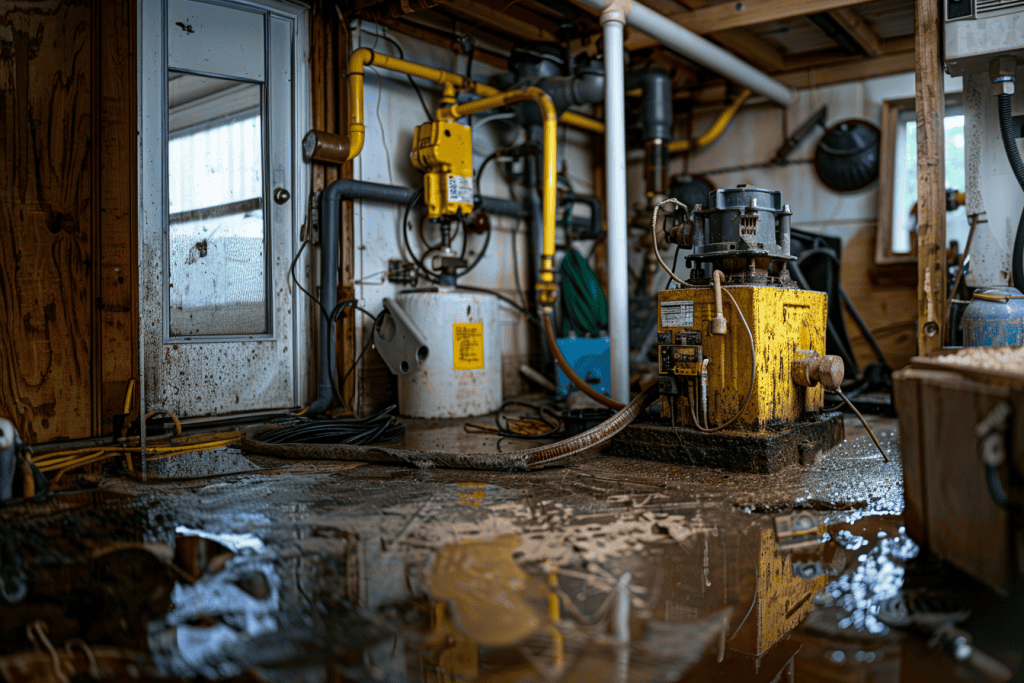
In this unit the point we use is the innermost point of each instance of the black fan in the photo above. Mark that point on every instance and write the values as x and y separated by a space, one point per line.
847 156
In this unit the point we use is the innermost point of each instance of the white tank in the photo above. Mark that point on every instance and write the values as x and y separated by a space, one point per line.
461 376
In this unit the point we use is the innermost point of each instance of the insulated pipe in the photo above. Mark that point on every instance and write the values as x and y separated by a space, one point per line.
702 51
613 22
330 209
546 287
716 129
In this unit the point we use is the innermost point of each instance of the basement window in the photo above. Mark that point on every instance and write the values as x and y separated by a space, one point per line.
897 217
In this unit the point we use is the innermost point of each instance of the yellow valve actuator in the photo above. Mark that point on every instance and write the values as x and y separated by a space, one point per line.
443 150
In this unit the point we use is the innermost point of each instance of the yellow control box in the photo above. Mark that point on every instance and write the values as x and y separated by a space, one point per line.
443 150
782 321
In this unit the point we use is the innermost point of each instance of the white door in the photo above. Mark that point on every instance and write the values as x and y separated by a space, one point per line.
218 205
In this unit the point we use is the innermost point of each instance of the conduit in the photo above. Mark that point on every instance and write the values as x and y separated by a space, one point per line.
702 51
613 22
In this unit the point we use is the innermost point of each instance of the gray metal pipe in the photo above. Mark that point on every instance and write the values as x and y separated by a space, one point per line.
702 51
330 227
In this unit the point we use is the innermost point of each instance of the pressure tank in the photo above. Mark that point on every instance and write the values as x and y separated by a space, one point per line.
461 376
995 317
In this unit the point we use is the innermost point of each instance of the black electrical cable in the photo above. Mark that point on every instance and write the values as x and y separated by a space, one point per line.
401 55
376 428
995 487
506 432
418 260
416 197
305 291
1017 164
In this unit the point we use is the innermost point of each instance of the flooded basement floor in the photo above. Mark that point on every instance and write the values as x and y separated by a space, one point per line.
601 569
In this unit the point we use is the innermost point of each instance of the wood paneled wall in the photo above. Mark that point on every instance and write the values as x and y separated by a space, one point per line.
67 144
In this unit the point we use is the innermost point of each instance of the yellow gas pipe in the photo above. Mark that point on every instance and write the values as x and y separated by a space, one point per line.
451 82
546 287
712 133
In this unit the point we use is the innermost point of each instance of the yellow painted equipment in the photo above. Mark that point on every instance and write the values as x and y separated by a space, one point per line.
782 321
443 150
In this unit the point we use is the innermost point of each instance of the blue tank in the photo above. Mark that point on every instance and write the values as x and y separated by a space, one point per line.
995 317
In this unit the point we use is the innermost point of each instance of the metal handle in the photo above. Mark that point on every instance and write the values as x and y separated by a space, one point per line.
281 195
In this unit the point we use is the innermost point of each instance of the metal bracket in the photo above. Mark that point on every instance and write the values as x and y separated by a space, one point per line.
400 342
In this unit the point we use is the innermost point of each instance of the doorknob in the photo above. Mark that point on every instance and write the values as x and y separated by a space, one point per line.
281 195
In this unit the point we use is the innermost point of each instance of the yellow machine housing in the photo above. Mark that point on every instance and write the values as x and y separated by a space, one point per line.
782 320
443 150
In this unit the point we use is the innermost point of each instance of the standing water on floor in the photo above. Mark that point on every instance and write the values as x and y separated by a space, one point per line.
605 569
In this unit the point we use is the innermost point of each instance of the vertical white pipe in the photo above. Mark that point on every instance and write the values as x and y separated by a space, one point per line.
613 21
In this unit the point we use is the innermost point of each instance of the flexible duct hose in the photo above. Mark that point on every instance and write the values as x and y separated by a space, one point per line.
1013 156
528 459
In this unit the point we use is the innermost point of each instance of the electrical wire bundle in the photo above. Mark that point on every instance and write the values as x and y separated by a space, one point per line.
375 428
586 309
546 425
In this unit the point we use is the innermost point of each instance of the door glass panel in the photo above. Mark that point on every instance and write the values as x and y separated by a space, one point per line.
216 228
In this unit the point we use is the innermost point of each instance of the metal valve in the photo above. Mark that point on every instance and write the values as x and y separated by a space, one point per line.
809 369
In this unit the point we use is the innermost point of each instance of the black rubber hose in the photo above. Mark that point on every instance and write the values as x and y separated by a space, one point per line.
995 487
1017 164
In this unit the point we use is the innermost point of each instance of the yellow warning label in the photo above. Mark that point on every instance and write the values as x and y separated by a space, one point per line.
469 345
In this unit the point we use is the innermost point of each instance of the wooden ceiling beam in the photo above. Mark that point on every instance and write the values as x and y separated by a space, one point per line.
852 70
752 48
741 42
729 15
857 28
509 21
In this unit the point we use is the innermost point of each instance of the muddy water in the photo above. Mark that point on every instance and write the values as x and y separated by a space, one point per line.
606 569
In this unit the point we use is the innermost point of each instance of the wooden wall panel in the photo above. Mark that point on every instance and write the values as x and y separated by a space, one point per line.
889 307
46 226
67 140
117 338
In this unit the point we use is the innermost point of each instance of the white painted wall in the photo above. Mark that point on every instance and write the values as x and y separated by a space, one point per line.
392 111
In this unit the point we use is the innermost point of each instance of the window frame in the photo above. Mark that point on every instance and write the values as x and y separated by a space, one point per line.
891 112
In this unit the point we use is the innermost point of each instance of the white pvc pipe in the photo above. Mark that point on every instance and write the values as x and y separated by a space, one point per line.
702 51
613 25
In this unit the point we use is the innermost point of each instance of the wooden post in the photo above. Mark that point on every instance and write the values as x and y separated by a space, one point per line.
931 177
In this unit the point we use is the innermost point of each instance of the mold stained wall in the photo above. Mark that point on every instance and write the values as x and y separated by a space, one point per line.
392 111
889 307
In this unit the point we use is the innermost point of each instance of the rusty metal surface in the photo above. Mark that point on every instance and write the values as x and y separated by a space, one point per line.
762 452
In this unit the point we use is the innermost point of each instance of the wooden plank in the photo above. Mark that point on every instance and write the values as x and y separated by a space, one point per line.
857 28
965 526
507 21
751 48
889 307
931 177
907 388
116 324
729 15
849 71
46 293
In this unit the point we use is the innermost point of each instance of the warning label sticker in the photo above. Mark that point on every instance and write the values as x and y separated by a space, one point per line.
460 190
469 345
677 314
